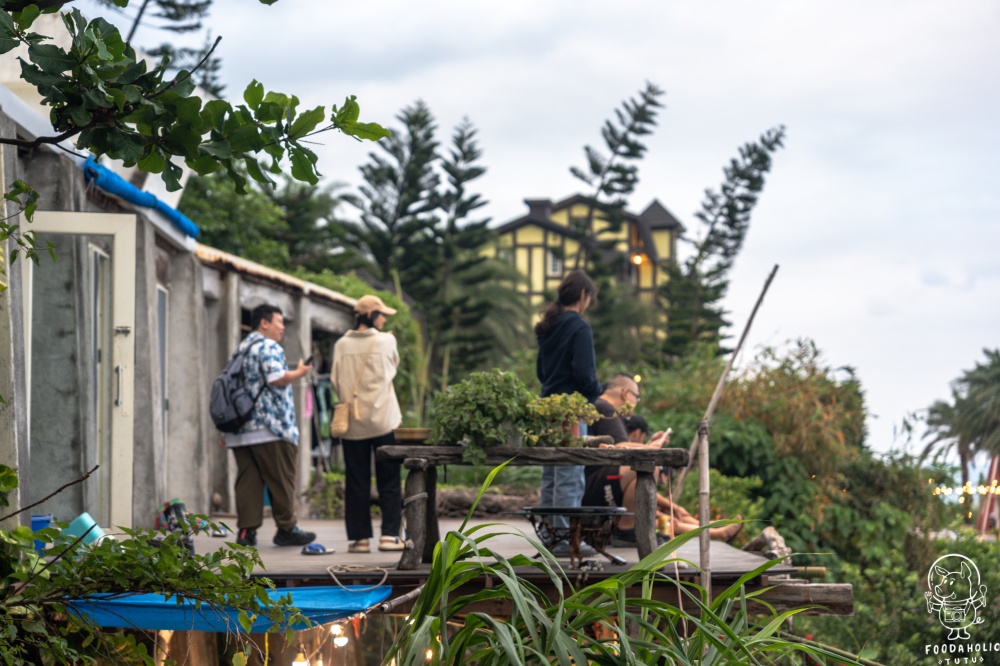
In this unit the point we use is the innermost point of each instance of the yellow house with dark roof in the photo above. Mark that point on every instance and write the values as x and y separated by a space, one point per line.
542 248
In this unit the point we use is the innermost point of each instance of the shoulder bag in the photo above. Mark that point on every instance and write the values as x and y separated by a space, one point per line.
342 410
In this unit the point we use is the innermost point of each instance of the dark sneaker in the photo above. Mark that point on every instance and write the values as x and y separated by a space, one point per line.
247 537
293 537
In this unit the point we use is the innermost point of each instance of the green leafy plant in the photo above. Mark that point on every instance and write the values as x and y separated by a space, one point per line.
486 409
101 92
551 419
36 627
444 626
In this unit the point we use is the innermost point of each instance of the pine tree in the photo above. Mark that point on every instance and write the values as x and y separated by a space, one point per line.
613 179
310 214
469 296
397 201
694 292
612 176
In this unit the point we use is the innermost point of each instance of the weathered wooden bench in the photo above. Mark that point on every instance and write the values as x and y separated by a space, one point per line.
420 496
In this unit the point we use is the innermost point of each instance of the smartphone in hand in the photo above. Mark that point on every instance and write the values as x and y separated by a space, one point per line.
309 361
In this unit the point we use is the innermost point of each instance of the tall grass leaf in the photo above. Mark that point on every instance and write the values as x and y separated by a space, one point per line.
503 634
482 490
737 586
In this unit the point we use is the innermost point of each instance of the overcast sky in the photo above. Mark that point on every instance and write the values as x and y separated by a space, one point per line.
882 209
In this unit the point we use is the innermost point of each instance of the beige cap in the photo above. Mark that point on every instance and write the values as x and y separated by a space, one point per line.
370 303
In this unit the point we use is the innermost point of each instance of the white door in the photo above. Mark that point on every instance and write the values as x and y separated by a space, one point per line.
109 303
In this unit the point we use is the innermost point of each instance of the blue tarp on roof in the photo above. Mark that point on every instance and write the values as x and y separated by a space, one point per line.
112 183
154 612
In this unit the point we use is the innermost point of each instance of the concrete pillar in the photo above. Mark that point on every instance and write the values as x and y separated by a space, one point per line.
231 317
189 447
149 464
303 340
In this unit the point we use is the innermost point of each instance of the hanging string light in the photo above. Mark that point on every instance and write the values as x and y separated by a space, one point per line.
967 489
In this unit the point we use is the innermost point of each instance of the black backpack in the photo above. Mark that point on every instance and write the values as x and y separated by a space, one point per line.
230 403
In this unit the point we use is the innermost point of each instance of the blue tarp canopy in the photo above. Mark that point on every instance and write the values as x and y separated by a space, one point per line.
112 183
154 612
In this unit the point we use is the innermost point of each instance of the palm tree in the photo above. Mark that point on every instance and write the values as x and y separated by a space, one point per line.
981 414
970 423
946 434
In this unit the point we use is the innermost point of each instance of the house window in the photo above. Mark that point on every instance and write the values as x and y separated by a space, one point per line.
554 265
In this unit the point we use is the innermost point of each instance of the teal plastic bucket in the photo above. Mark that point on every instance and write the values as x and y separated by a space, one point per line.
39 521
80 526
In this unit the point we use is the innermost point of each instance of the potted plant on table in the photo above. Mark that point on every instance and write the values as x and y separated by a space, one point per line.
487 409
555 419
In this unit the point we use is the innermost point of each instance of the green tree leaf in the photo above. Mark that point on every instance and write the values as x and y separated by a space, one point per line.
253 95
306 123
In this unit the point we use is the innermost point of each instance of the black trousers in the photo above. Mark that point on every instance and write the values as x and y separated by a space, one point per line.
357 493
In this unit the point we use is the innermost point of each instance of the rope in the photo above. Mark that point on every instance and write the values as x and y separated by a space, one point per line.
414 498
334 569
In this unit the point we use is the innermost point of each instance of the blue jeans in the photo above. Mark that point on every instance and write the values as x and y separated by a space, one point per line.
563 486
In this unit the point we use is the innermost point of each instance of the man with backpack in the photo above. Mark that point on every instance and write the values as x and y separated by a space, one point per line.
266 445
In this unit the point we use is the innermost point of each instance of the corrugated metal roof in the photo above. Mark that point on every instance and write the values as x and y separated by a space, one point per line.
214 257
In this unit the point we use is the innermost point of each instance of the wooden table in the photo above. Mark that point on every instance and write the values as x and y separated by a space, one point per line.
422 462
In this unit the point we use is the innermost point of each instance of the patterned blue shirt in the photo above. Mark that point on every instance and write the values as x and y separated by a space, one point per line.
274 413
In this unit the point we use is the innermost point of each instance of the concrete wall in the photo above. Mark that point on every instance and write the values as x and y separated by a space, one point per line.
13 409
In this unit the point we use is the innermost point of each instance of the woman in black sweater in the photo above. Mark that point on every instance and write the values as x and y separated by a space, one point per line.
567 363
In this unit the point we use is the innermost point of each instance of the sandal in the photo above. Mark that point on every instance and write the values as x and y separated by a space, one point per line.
359 546
316 549
391 543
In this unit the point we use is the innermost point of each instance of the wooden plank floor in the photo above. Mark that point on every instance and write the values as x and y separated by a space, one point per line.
289 565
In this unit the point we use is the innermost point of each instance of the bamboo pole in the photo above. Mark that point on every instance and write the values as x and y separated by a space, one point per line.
679 483
700 447
704 539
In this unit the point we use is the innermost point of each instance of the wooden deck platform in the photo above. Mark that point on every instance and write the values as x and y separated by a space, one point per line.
288 567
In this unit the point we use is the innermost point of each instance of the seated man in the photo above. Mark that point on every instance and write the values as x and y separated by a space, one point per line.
636 427
615 486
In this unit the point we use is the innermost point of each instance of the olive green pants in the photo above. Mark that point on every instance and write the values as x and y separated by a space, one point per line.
271 464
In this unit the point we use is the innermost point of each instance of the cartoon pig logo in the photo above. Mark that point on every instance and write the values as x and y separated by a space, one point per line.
955 593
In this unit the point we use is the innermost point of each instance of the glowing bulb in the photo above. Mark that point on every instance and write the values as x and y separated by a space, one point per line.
340 641
300 660
337 629
430 654
637 378
637 259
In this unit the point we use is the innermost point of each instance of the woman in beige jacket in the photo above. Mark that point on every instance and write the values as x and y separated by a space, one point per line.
364 365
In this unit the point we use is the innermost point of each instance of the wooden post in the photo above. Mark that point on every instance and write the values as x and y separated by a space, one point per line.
645 508
432 533
415 505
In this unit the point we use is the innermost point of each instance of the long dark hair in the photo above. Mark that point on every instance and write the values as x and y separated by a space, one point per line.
571 290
